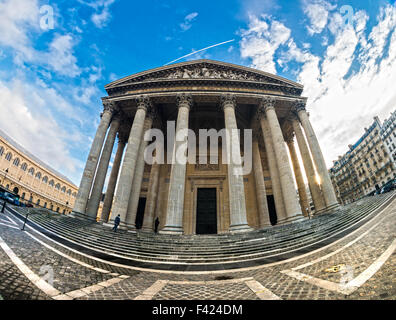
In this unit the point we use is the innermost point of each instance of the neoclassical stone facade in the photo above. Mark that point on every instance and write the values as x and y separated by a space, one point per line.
198 197
35 182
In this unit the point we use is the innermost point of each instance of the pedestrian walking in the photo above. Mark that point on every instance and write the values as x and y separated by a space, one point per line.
117 221
156 224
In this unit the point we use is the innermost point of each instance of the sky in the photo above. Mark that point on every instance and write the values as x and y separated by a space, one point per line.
57 56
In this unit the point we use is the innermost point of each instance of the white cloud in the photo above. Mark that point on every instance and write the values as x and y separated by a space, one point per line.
317 12
60 57
102 14
349 84
188 19
261 40
28 119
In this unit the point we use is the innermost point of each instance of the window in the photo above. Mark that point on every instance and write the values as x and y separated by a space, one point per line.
31 171
57 209
63 189
23 195
1 151
8 156
38 175
45 204
38 202
45 179
24 166
16 162
69 192
51 183
57 186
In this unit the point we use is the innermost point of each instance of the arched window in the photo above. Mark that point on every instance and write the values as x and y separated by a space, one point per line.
31 171
1 151
57 209
16 162
24 166
23 195
57 186
63 189
45 204
69 192
74 194
38 175
38 202
45 179
51 183
8 156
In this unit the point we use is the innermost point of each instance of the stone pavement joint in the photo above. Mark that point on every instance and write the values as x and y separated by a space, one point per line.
262 292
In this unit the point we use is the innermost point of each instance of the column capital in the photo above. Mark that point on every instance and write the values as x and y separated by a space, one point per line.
109 106
184 99
299 105
228 100
267 103
143 102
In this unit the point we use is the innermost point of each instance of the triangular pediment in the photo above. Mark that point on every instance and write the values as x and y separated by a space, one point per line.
203 70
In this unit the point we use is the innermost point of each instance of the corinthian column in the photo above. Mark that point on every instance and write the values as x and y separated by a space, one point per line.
293 210
273 168
129 164
93 157
138 177
152 194
175 206
238 219
101 172
260 186
327 187
299 177
316 193
112 181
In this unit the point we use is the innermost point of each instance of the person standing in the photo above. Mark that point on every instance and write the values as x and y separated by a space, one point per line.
117 221
156 224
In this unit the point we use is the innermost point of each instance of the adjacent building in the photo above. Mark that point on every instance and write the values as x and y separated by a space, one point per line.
368 164
35 182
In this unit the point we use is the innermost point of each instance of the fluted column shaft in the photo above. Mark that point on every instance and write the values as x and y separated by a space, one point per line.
152 195
293 210
299 178
101 172
137 179
274 172
327 187
129 164
316 193
92 161
238 218
108 201
175 205
261 193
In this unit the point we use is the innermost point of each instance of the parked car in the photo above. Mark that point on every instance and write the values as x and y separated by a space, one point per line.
389 186
10 198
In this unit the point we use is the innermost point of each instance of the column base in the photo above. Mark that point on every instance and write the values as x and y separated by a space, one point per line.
75 214
240 228
329 208
293 219
171 230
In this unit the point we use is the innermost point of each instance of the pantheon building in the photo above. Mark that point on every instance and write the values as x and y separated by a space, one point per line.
205 198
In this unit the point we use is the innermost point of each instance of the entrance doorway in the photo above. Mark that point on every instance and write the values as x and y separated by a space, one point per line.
272 210
206 211
140 213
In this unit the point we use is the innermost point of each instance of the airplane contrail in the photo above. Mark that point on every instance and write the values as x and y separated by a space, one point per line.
215 45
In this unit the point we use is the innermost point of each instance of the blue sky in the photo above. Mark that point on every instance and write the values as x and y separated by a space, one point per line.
52 79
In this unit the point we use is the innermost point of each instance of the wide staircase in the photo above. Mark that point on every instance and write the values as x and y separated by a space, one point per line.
206 252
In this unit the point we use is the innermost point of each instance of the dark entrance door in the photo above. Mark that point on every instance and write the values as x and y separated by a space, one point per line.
206 211
271 209
140 213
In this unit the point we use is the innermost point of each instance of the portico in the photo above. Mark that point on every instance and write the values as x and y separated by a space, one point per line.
208 191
